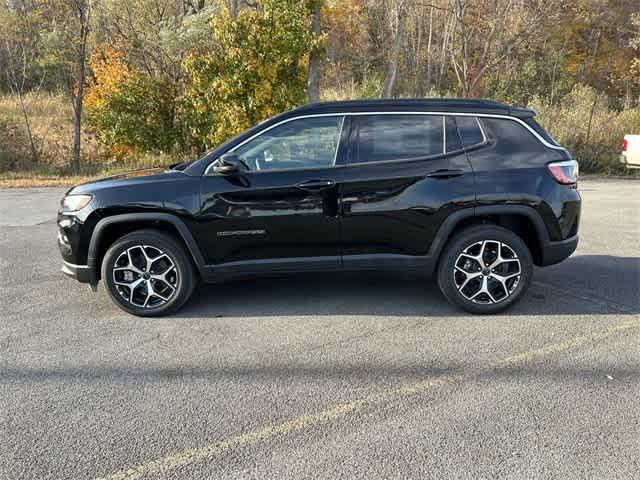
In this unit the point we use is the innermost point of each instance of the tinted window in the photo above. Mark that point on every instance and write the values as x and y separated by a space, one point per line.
470 132
304 143
452 137
512 136
396 137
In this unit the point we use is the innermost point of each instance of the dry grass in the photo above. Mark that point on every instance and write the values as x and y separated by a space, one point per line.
51 118
51 122
52 178
30 179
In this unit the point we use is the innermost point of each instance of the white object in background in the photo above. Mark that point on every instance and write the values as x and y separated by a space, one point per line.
631 151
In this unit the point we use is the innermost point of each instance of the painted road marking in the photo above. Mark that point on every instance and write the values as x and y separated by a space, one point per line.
198 455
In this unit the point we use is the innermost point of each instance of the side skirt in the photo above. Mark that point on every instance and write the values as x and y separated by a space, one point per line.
370 262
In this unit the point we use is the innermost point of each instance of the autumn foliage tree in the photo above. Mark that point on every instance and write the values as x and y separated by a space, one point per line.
129 112
257 69
173 78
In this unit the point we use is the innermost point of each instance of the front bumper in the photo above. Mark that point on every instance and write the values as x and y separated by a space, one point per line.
68 245
555 252
79 272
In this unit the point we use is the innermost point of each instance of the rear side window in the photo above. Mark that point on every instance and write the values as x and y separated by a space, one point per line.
470 132
398 137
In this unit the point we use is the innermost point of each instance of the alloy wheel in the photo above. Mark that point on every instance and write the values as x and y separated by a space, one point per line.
487 272
145 276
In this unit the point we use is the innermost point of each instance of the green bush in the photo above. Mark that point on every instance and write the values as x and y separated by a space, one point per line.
258 69
518 85
136 117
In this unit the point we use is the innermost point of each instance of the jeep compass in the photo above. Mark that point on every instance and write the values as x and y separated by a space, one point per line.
472 191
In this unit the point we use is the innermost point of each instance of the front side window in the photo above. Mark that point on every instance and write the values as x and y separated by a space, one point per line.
302 143
398 137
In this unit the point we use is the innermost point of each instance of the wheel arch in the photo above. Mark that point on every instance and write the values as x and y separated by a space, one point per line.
522 220
111 228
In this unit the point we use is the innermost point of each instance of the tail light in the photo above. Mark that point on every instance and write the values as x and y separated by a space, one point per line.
624 145
565 172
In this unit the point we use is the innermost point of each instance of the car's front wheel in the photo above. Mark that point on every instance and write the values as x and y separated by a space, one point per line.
485 269
148 273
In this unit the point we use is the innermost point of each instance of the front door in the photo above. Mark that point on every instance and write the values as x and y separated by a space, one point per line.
282 212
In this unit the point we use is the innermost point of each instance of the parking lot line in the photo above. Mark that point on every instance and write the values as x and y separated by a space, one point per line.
201 454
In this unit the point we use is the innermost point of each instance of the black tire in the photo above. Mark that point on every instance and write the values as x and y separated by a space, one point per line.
174 288
470 240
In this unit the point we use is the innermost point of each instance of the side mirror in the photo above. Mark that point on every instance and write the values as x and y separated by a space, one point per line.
228 164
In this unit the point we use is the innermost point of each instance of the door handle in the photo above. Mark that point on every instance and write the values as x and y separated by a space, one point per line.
445 173
315 185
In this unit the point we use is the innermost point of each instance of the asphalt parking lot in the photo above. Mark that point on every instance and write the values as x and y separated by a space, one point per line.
324 376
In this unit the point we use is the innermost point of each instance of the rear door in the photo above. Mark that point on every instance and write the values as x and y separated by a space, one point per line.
406 173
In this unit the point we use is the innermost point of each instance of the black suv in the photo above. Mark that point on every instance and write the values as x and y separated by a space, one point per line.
473 190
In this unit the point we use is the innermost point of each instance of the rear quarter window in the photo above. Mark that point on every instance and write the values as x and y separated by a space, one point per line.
511 136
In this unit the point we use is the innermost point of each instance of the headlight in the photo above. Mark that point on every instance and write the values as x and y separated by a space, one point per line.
74 203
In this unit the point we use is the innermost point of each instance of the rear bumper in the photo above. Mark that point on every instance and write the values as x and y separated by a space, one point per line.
625 160
555 252
79 272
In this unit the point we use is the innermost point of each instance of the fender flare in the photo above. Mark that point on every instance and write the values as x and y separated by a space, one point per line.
101 226
450 223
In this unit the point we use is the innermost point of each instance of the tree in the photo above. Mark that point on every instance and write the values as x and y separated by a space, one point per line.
401 18
257 69
68 44
82 13
634 42
348 54
128 111
21 43
194 6
313 85
193 72
135 99
486 33
157 34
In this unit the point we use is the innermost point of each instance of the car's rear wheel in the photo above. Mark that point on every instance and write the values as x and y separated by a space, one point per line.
485 269
148 273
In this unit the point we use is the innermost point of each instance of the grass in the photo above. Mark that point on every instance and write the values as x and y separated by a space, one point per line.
32 179
48 177
50 117
51 122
